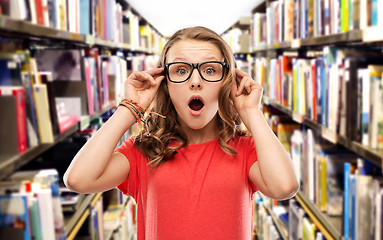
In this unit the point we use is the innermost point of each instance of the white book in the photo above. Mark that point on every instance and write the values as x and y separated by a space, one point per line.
18 9
310 163
363 14
44 198
375 72
32 10
45 9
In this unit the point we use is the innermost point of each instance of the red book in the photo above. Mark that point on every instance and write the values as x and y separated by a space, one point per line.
19 95
39 12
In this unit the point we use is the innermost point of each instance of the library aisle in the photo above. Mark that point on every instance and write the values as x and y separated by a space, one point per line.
62 70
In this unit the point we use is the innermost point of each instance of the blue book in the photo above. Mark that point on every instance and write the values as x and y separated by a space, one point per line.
10 73
323 82
353 207
14 219
346 207
84 16
374 12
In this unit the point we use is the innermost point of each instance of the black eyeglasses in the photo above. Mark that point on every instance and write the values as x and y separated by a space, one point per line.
179 72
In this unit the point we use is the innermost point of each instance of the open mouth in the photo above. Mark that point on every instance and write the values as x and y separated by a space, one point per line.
196 104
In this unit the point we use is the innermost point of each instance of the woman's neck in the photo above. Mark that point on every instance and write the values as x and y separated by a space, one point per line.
205 134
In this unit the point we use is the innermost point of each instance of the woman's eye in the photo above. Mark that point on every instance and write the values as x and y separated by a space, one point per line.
209 71
182 71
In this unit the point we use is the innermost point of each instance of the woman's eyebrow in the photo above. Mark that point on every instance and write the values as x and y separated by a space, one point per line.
182 59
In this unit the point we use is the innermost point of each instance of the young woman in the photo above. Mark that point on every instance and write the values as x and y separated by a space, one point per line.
191 171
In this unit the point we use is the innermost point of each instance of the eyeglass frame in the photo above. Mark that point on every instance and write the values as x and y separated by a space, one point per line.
196 66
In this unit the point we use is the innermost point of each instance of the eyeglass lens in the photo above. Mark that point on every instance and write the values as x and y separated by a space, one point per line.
211 71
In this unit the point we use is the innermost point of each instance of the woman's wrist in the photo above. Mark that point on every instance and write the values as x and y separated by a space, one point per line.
251 117
125 117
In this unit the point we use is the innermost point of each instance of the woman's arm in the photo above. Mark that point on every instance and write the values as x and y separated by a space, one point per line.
273 173
95 168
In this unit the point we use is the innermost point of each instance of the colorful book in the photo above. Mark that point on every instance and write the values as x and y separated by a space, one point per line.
21 122
14 218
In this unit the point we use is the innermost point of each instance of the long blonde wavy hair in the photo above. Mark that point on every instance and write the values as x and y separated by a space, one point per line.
154 142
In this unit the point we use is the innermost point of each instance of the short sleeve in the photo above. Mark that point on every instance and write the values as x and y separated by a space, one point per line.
130 185
250 155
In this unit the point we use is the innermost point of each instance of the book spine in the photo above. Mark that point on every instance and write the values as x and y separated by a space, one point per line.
346 207
19 95
39 12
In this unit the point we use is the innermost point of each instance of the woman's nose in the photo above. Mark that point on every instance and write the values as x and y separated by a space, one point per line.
195 79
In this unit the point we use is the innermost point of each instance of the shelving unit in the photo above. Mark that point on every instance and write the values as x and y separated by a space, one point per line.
26 29
374 155
351 37
7 167
74 222
369 37
330 227
28 35
279 225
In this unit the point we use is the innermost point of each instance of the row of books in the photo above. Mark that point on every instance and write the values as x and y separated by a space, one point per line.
340 184
342 90
300 225
237 39
103 19
31 207
44 95
96 17
289 216
286 20
264 226
140 36
120 217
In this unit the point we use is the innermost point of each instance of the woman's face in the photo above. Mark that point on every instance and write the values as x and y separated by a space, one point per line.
195 100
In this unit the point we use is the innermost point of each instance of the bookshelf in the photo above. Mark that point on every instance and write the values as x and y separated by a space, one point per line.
74 222
116 57
330 227
374 155
12 27
307 43
10 165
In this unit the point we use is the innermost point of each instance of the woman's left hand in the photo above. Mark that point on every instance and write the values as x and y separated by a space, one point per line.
247 93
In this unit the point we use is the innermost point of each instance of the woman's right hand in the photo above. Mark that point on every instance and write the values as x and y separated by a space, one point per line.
141 87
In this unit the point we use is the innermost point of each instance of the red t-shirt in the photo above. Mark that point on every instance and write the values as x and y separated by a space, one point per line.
203 193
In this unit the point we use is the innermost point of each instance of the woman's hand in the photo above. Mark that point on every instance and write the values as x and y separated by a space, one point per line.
247 95
141 87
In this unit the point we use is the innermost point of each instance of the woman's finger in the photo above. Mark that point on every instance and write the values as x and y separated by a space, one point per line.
240 73
248 85
241 87
143 77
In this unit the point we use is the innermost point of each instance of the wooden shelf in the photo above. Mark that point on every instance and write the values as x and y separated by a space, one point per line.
35 31
279 225
11 164
283 232
373 155
74 222
331 227
367 35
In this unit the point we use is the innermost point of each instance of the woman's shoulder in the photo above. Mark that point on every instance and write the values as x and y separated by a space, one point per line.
128 147
241 140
